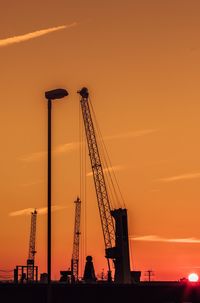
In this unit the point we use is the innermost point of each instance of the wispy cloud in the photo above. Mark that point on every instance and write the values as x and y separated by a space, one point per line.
132 134
58 150
33 156
106 170
40 211
74 145
180 177
32 35
66 147
154 238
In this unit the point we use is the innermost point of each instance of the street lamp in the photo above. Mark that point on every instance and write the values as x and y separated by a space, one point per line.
50 95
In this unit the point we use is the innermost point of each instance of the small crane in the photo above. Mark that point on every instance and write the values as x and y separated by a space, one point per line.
75 252
115 233
32 251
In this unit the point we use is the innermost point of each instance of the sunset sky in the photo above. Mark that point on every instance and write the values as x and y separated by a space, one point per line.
140 60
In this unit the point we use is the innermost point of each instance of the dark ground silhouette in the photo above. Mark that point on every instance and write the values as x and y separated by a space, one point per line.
166 292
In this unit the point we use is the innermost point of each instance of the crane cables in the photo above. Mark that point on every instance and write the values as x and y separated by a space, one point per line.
116 197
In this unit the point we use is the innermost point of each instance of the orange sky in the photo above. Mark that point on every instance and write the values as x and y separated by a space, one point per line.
141 62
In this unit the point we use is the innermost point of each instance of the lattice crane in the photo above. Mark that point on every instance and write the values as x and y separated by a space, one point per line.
76 240
32 251
115 233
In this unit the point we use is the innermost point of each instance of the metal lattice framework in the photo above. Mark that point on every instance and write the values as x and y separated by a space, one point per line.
32 252
75 253
98 175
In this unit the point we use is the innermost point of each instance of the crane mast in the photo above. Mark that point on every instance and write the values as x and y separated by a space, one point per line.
32 251
75 253
115 235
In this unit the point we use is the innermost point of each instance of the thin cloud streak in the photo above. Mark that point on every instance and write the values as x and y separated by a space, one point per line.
180 177
33 35
33 157
154 238
74 145
106 170
66 147
133 134
40 211
58 150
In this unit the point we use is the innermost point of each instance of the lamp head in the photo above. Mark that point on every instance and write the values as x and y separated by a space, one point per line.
58 93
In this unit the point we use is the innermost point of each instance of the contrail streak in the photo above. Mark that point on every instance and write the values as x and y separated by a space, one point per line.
132 134
108 169
40 211
181 177
154 238
74 145
36 34
58 150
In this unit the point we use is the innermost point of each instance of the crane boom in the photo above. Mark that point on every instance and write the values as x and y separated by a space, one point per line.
115 235
75 253
100 185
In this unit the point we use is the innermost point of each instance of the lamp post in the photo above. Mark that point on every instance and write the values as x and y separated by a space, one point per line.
50 95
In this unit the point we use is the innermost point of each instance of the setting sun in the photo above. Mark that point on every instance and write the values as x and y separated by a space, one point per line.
193 277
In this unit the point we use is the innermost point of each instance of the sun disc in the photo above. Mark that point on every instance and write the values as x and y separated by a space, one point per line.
193 277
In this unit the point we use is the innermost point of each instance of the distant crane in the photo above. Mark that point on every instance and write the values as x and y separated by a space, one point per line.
115 235
32 251
76 240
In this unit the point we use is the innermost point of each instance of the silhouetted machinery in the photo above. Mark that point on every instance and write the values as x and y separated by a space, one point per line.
71 275
76 240
89 273
32 251
115 235
29 272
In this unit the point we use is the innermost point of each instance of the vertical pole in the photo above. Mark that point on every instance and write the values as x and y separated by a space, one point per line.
49 196
36 274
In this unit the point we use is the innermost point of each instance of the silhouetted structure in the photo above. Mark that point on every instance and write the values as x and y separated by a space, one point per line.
21 274
32 251
50 95
121 250
65 276
89 273
149 273
115 237
135 276
44 277
75 252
